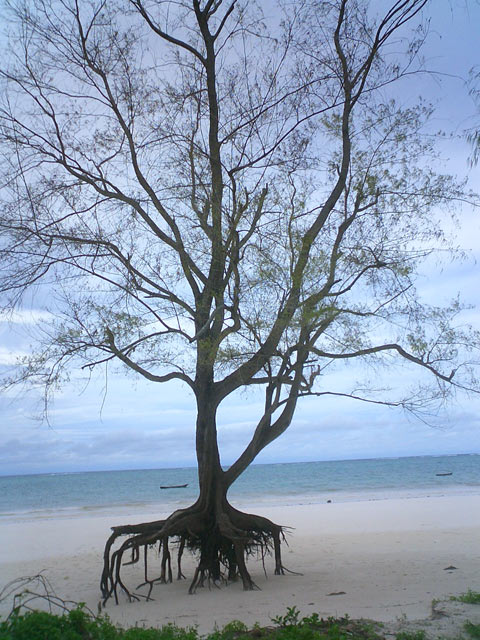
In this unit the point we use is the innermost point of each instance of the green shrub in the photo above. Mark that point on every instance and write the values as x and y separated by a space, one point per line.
470 597
235 626
79 624
168 632
289 619
41 625
410 635
473 630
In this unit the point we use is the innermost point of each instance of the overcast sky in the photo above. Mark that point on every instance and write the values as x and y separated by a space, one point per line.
124 423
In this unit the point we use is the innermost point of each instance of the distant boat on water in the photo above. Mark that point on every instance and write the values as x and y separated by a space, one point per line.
174 486
449 473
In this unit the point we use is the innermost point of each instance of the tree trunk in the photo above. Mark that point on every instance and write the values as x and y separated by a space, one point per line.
221 536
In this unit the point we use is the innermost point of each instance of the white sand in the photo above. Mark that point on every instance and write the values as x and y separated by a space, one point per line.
387 556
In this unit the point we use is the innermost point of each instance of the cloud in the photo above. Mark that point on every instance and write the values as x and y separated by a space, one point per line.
42 449
10 357
356 432
26 316
146 425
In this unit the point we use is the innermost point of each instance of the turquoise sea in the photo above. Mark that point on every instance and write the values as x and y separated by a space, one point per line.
129 492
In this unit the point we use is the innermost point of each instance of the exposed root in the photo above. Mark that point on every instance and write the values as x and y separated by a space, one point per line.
222 543
181 547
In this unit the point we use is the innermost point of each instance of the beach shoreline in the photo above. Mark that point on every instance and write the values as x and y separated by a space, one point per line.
369 559
138 510
132 493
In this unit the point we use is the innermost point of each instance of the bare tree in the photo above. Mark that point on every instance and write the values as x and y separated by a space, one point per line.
228 199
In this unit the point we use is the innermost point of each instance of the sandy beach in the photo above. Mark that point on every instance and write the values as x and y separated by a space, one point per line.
382 560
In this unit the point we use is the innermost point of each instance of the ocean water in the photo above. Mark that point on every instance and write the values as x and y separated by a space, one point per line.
130 492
